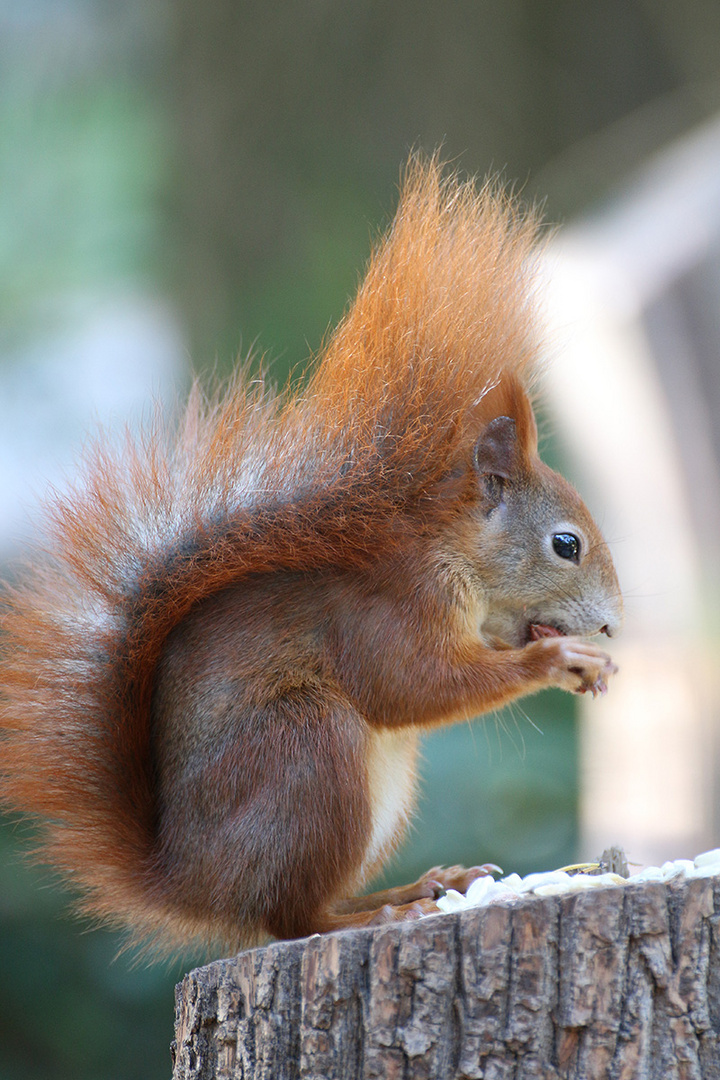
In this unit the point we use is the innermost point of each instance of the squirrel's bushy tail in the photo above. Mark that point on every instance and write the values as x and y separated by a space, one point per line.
439 338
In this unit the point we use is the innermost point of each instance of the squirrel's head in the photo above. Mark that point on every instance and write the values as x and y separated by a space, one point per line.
540 566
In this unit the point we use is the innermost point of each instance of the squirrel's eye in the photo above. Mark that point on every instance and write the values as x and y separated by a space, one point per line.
567 546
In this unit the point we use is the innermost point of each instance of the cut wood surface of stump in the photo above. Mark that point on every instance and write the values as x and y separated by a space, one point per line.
620 983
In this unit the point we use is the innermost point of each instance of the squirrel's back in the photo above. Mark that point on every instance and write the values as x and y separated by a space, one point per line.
338 473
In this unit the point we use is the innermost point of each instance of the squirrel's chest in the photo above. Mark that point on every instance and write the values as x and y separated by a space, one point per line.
392 773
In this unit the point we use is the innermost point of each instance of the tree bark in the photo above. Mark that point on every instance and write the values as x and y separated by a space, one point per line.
620 983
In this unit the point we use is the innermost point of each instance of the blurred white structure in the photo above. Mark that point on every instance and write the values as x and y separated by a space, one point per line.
634 390
103 363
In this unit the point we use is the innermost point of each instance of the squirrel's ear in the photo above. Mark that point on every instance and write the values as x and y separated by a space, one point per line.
496 449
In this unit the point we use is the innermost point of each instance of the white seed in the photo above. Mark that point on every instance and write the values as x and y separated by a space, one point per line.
479 889
452 901
708 858
531 882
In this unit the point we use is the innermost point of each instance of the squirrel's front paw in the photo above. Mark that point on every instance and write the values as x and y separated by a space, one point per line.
577 665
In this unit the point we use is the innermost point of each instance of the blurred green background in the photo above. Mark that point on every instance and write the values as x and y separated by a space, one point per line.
234 161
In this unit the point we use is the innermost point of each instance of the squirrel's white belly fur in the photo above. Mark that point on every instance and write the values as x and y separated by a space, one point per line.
392 756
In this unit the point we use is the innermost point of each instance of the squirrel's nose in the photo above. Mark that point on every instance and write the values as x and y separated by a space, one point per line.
612 611
613 626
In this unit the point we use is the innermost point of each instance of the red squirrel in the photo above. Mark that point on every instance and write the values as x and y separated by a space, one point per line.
214 678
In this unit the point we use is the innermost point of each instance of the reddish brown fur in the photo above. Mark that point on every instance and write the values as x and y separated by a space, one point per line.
195 679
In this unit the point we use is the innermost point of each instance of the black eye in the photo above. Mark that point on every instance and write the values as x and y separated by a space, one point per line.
567 546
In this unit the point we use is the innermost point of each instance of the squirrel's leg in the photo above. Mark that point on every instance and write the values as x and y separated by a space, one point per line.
270 819
301 830
271 828
315 809
321 816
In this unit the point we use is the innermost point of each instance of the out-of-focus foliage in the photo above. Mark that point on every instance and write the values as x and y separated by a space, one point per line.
78 172
241 157
308 119
68 1008
83 146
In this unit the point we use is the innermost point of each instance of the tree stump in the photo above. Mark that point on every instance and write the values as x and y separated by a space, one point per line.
620 983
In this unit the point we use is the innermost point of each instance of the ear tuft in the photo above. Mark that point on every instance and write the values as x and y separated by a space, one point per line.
496 449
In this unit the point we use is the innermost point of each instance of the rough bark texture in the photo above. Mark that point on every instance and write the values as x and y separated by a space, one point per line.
620 983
